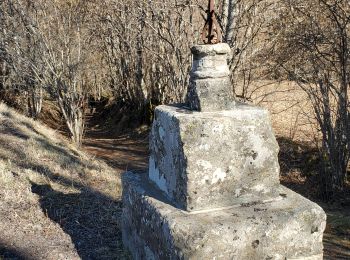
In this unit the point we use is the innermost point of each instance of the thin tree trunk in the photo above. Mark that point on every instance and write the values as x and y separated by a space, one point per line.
35 101
229 29
74 117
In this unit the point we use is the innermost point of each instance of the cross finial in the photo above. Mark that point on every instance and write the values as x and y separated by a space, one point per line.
211 33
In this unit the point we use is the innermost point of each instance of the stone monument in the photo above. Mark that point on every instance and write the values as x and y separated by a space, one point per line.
212 190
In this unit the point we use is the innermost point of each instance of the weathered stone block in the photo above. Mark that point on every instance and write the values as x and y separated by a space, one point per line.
210 88
288 227
213 189
211 94
213 159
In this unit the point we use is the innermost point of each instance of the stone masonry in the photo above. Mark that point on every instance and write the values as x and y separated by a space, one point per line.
210 87
212 190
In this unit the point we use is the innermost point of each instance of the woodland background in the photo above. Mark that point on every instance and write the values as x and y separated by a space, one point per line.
65 60
94 70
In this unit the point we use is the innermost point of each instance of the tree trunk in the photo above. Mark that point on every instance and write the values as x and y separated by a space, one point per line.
73 112
229 28
36 102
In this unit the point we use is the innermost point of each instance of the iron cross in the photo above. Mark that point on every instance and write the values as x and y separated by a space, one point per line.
211 33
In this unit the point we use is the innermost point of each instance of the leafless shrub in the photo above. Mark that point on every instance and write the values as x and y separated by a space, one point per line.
21 47
146 48
47 46
136 51
246 29
313 50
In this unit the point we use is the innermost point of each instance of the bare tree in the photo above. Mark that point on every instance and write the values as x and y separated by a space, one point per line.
146 48
65 54
314 51
47 50
23 50
245 28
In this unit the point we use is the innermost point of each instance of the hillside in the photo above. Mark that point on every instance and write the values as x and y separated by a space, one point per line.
55 202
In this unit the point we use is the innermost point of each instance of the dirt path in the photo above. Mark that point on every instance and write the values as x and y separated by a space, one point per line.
124 152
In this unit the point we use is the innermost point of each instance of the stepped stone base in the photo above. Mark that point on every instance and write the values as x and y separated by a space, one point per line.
286 227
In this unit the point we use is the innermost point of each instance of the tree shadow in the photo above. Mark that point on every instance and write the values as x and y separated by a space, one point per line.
335 250
300 165
125 149
11 126
9 253
300 170
123 152
70 154
90 218
8 128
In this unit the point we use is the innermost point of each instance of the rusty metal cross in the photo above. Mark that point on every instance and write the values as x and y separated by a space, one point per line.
211 32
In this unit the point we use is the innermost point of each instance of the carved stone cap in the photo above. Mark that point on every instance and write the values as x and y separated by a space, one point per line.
210 61
210 87
211 49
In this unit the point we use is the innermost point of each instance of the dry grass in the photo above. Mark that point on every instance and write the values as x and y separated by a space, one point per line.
292 115
55 201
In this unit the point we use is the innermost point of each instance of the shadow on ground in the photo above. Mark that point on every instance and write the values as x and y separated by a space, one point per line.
68 194
7 252
91 220
123 153
125 150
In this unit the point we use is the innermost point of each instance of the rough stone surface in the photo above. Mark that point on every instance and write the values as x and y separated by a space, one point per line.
210 87
289 227
212 190
213 159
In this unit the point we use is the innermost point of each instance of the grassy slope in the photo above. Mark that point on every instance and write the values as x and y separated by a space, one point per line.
55 202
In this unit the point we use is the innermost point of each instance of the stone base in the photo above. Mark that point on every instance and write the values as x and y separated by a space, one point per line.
288 227
207 159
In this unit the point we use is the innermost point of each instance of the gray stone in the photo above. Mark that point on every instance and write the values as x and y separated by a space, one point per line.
213 159
212 190
287 227
210 95
210 87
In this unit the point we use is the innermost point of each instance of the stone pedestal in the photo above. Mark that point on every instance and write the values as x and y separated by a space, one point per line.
210 87
212 190
287 227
